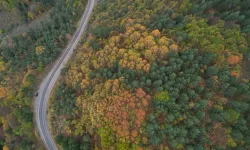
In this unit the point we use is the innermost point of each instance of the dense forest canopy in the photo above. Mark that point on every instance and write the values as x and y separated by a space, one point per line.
158 74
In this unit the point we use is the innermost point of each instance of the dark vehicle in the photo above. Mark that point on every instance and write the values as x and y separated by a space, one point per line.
36 94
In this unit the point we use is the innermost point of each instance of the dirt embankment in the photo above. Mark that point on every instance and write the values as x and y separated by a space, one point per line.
7 18
22 27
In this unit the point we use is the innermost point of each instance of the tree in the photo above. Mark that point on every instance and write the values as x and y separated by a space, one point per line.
231 116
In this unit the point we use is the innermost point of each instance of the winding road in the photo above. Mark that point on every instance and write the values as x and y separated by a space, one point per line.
48 82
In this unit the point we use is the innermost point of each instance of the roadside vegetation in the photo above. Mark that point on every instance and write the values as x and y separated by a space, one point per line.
22 60
158 74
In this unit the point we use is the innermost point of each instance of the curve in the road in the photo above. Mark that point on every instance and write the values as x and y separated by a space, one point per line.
48 83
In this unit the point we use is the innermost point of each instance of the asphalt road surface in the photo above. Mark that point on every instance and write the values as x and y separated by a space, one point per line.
48 82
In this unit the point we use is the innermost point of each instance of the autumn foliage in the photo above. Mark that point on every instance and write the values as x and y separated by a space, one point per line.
124 112
233 60
163 80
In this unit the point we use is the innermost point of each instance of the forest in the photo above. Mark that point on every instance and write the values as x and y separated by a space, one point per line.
23 62
158 74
